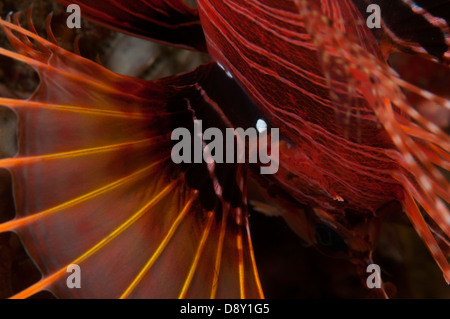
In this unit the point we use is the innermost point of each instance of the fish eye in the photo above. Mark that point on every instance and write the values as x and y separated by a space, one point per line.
261 126
330 240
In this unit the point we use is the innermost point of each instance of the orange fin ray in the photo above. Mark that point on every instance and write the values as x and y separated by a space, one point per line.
426 235
51 279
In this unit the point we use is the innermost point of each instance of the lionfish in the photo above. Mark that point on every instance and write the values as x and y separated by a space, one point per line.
94 184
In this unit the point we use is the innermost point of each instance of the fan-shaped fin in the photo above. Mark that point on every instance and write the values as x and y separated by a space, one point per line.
94 186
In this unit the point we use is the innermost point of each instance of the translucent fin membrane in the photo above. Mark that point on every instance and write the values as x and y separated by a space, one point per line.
94 186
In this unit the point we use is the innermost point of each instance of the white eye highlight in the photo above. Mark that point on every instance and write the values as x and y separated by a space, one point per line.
261 126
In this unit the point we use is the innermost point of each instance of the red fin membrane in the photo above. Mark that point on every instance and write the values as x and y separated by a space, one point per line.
94 185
